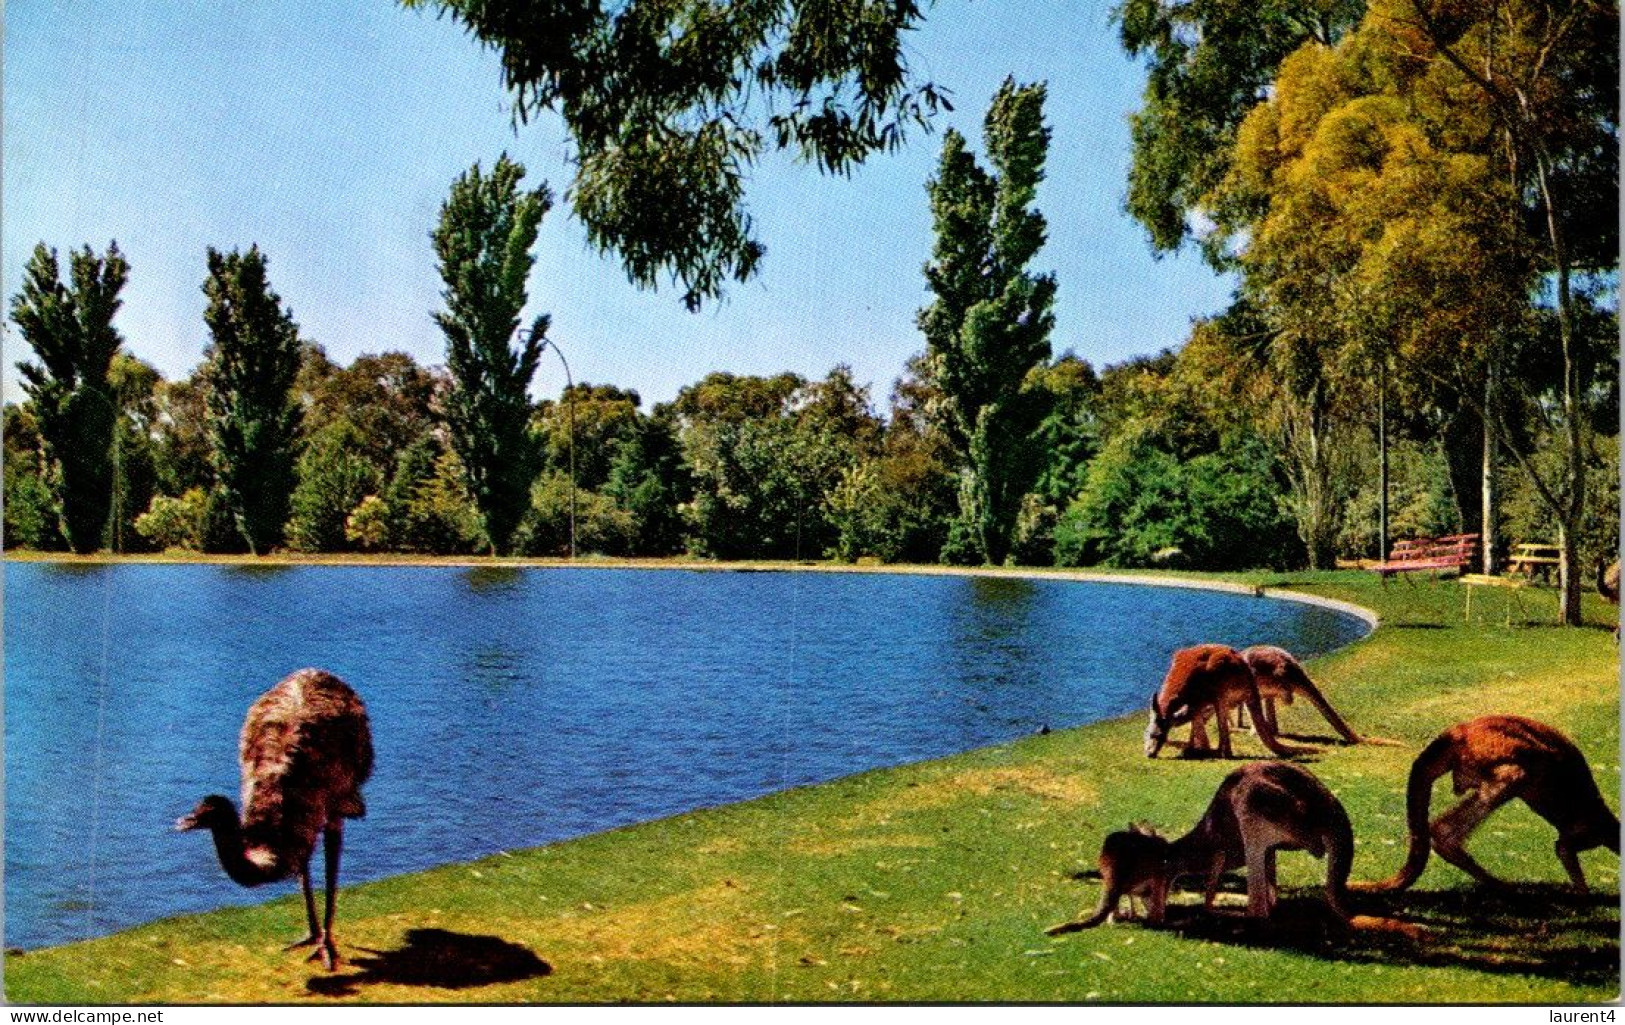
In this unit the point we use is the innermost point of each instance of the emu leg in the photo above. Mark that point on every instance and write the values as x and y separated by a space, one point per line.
332 846
315 933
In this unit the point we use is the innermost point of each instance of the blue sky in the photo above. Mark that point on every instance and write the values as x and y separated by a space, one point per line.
330 133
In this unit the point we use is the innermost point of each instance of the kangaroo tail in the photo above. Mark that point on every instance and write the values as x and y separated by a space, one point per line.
1435 760
1108 904
1307 686
1266 730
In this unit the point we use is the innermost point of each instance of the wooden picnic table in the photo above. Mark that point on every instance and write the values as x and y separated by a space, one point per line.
1511 585
1530 559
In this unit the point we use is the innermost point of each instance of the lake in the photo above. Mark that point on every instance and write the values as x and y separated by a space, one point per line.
513 708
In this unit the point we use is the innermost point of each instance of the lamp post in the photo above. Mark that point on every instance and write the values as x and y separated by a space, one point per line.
570 419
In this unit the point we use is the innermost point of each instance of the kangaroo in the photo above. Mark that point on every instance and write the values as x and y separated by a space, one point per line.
1206 682
1280 676
1133 863
1493 759
1259 809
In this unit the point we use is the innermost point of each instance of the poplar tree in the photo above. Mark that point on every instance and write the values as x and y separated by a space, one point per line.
71 331
990 321
253 418
484 239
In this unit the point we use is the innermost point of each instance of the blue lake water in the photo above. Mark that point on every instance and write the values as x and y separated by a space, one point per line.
512 708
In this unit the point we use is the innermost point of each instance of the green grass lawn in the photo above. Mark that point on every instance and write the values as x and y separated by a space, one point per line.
934 882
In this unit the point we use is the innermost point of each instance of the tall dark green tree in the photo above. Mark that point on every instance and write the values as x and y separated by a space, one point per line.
990 322
668 102
71 331
253 419
487 228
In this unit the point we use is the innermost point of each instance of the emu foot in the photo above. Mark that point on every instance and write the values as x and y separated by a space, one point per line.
326 951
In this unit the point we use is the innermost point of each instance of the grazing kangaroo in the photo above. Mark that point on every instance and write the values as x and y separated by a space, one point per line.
1206 682
1261 808
1133 863
1493 759
1280 676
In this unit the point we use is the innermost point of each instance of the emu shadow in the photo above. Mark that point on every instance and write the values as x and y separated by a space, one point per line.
1543 930
438 959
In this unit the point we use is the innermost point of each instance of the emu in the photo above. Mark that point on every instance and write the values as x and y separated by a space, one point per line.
306 749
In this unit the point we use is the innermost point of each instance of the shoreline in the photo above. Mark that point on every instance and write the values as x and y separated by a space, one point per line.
1124 577
1223 582
934 845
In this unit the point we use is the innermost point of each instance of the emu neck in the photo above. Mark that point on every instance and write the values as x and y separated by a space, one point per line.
230 845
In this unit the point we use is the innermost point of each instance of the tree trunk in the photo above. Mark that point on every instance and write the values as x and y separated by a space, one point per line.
1491 546
1383 544
1462 438
1573 501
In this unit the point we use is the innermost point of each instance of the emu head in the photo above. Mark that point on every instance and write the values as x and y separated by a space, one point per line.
211 811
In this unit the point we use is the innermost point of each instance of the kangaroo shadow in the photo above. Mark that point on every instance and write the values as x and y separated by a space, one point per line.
1543 930
439 959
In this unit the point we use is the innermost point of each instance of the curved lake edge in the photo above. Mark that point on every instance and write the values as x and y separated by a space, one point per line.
712 859
1039 575
395 561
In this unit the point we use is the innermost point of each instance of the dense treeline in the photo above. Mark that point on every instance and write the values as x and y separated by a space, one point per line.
1420 205
1146 463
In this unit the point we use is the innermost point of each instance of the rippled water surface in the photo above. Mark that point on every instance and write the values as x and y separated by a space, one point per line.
512 708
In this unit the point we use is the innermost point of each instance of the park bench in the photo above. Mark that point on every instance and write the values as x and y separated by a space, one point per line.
1429 555
1530 559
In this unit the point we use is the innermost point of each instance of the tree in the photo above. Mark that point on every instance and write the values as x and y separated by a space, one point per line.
384 401
1548 70
669 101
1209 63
253 419
71 331
765 454
333 479
135 482
1413 184
990 320
181 444
175 522
1142 506
31 516
592 420
484 239
648 480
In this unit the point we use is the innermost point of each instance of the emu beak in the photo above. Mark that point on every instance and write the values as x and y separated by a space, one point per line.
186 823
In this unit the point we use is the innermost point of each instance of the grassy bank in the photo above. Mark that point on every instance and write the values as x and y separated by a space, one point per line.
935 881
